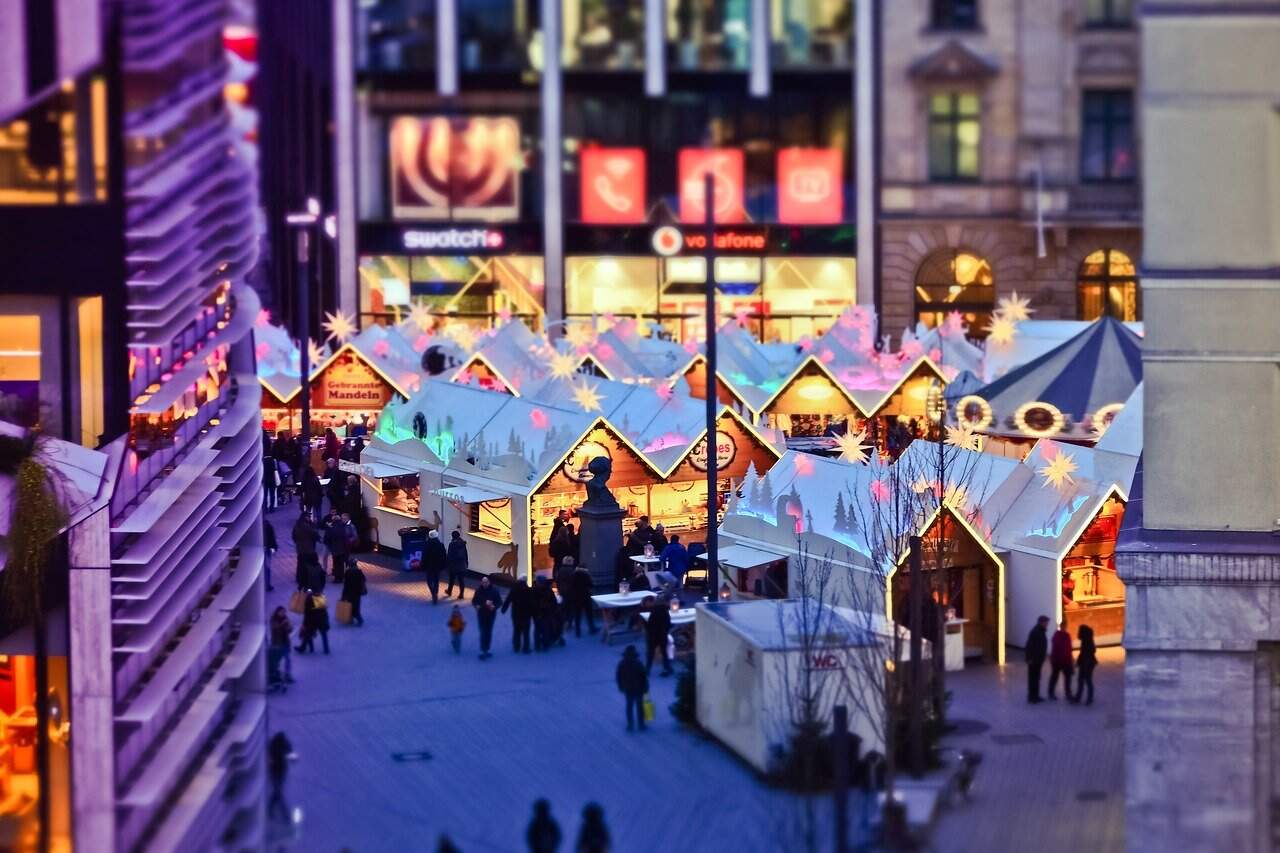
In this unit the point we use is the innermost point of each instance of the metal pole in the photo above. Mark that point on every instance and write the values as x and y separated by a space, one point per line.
915 717
713 396
304 339
941 581
840 748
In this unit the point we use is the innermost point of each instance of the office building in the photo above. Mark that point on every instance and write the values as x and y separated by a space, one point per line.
128 210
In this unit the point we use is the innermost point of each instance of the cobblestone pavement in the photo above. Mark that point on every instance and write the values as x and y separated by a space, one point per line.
400 740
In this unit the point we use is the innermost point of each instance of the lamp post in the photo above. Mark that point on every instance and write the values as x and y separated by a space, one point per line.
302 223
937 411
713 398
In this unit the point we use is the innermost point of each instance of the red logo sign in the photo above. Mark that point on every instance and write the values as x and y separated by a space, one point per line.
725 165
459 168
810 186
612 186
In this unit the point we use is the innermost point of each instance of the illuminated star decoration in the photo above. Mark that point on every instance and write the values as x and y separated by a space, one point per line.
563 365
316 353
853 446
664 391
957 496
339 326
420 316
587 396
264 317
1015 308
1001 330
462 334
1058 472
962 436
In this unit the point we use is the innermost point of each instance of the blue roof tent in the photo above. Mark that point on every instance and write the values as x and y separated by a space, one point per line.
1096 369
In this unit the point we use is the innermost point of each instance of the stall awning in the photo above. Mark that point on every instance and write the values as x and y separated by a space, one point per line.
467 494
380 470
744 557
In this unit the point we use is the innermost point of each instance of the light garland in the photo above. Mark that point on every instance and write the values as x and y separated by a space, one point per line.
1055 426
1104 417
970 400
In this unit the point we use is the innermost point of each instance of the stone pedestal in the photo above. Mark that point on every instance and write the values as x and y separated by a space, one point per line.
599 540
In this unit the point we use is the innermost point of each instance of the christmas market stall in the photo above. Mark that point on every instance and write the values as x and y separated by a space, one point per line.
507 359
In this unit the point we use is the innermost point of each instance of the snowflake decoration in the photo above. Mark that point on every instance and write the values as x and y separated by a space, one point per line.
316 353
580 335
381 348
1058 472
853 446
1001 330
420 316
1015 308
339 326
827 355
587 396
264 317
879 491
563 365
963 436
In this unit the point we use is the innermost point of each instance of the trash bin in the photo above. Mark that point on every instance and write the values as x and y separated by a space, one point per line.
413 541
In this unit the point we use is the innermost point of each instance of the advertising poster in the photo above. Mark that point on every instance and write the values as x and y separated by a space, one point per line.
613 186
726 168
455 168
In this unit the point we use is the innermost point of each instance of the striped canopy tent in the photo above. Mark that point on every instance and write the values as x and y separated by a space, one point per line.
1071 392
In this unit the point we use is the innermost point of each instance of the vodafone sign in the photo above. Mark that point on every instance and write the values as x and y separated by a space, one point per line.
810 186
667 240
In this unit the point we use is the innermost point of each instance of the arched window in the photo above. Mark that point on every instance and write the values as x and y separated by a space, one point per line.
952 280
1108 286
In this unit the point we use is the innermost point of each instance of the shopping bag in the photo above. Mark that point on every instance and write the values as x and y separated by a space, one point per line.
648 709
344 612
298 602
671 647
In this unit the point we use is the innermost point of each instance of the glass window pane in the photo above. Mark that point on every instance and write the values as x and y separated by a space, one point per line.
395 35
708 34
968 104
600 285
599 34
1121 264
812 33
968 136
1121 163
494 35
1093 152
1090 301
940 105
940 165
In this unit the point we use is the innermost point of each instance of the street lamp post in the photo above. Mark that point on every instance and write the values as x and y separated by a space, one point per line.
937 404
304 222
713 549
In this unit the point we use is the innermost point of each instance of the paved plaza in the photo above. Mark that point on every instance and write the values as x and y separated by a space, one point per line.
400 740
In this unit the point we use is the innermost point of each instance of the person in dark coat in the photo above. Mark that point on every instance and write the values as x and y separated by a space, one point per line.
312 575
269 547
315 620
520 601
354 588
339 538
593 835
655 631
270 482
658 538
1086 663
580 587
544 614
543 834
561 543
434 560
305 537
633 682
1060 661
486 601
312 490
336 488
456 562
279 751
1036 651
642 535
639 580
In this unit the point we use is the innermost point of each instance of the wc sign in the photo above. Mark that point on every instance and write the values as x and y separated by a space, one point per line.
824 662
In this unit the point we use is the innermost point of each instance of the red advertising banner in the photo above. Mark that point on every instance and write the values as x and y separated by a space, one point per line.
613 186
455 168
810 186
725 165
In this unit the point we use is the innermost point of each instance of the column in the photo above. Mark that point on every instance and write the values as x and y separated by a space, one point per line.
552 173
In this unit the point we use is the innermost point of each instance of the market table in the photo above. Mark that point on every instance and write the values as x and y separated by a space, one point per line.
650 566
617 606
682 623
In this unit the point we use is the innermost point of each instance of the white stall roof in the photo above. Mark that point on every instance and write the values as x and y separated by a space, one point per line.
381 470
467 494
774 625
743 557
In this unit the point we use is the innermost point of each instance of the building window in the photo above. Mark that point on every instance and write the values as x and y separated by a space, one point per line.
704 35
1106 138
1108 286
812 34
1108 13
955 14
396 35
955 281
603 35
955 132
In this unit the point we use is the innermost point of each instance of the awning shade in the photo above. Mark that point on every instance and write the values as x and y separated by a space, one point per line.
379 470
467 494
744 557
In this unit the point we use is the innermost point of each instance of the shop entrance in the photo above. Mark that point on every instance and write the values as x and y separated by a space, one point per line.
1092 593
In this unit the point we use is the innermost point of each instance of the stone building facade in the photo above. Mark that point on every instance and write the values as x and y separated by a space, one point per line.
1202 564
983 106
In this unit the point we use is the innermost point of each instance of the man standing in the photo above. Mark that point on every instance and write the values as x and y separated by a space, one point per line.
486 601
339 538
279 753
656 630
434 559
633 682
520 601
354 588
1037 649
269 546
580 586
456 562
1060 661
305 538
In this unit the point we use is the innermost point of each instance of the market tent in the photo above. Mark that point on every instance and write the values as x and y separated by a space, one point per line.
1032 339
509 354
1060 393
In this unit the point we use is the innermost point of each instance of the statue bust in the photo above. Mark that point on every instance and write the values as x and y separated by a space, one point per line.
598 494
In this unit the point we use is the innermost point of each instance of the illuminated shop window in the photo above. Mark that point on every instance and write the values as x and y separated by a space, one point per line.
708 34
603 34
951 280
812 33
473 289
21 732
608 285
56 152
1108 286
396 35
955 134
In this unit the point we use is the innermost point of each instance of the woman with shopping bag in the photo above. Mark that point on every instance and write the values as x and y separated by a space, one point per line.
315 621
354 588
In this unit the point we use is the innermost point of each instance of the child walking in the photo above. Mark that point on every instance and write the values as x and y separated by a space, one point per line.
456 624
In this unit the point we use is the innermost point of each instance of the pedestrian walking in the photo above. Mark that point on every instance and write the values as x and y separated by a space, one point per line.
279 754
1086 663
1060 661
279 660
305 537
312 490
456 562
656 630
580 586
315 620
633 682
270 482
520 602
593 835
543 834
486 601
355 588
434 559
1036 650
269 548
340 538
456 626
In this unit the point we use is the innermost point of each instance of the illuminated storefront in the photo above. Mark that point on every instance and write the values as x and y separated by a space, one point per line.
346 388
21 785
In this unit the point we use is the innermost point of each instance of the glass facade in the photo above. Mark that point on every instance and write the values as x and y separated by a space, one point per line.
395 35
1107 14
56 152
603 34
812 33
498 35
